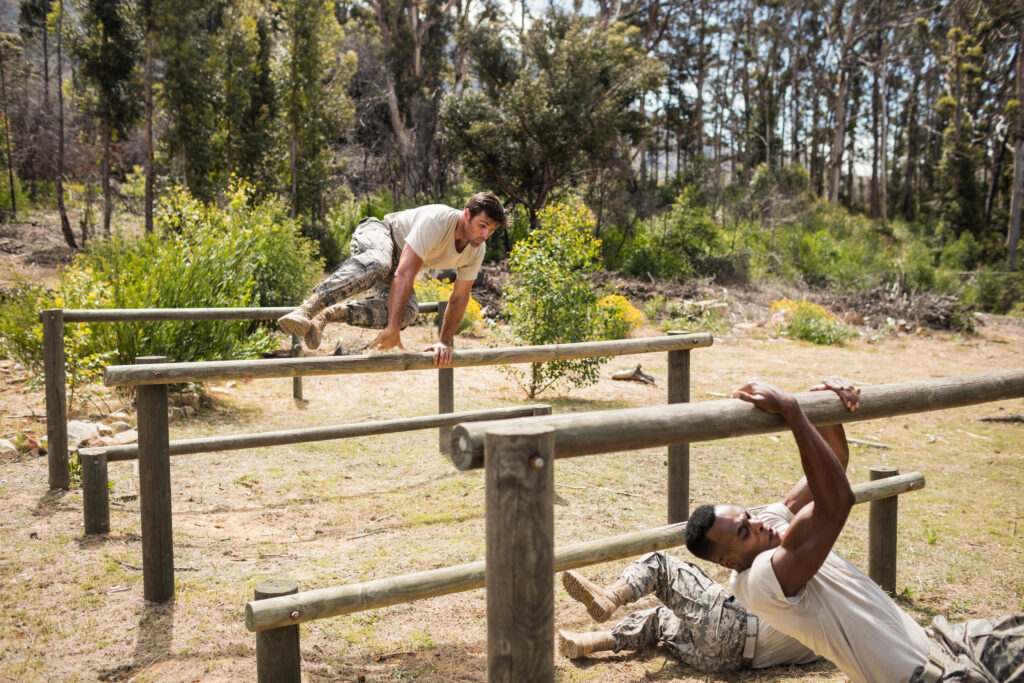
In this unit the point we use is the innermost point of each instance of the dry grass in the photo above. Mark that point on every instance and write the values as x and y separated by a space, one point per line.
338 512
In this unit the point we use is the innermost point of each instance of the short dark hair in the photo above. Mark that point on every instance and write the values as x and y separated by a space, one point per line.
488 203
697 541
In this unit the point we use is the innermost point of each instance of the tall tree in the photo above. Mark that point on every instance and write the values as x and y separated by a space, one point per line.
105 49
314 75
1016 114
571 98
847 64
65 224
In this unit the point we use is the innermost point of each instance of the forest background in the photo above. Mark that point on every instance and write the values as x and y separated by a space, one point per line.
835 144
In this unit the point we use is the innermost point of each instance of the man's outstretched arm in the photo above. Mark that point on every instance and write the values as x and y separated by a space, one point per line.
817 525
834 436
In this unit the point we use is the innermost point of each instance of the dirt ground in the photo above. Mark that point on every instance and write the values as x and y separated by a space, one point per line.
334 513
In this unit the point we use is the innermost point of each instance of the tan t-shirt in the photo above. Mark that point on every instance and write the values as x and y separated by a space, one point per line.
841 614
430 231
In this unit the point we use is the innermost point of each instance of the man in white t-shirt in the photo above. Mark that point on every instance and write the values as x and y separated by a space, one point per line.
785 572
386 256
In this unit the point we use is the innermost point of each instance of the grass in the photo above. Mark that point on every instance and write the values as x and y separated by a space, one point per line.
332 513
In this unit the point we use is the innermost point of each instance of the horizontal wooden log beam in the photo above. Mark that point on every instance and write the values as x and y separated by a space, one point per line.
113 315
611 431
288 436
261 615
174 373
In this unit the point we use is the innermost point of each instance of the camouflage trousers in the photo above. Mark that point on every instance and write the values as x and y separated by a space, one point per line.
701 622
370 268
976 651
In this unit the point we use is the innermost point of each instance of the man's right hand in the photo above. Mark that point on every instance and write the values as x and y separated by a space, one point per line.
766 397
387 339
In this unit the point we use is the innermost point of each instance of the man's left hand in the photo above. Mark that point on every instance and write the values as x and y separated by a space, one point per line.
442 353
844 388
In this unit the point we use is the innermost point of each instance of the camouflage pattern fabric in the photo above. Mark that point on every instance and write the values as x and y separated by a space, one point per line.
371 266
701 623
976 651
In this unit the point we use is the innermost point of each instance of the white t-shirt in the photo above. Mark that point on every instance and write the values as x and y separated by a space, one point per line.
430 232
841 614
773 648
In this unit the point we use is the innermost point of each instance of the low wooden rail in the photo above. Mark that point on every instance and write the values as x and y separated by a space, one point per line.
285 612
96 506
151 376
53 320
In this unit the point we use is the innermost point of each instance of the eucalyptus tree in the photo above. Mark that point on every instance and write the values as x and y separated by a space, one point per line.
104 49
526 130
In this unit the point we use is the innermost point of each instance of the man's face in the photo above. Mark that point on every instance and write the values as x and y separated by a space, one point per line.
740 537
478 228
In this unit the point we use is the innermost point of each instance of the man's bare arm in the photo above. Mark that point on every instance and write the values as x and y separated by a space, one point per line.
453 312
834 435
816 527
401 289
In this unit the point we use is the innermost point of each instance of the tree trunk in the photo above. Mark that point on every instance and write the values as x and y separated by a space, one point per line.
847 59
7 133
107 199
150 171
1013 236
65 224
883 189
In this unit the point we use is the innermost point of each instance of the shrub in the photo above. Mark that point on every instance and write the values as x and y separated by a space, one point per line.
549 297
667 246
201 257
618 317
807 321
21 333
429 289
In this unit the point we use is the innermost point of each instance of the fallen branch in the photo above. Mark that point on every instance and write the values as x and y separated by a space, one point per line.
1016 419
381 658
862 442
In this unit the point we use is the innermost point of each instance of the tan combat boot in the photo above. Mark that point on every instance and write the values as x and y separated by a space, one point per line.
297 322
338 313
576 645
600 602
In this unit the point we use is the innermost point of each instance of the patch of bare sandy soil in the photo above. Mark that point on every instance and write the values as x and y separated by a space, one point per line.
333 513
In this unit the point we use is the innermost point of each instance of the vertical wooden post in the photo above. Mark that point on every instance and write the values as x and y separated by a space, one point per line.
56 398
445 390
155 489
95 495
882 527
296 381
679 454
519 464
277 649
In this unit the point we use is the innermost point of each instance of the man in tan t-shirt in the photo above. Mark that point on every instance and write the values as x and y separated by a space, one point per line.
386 256
785 571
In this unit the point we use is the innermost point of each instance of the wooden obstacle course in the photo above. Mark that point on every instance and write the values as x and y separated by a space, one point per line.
157 376
94 460
288 611
53 320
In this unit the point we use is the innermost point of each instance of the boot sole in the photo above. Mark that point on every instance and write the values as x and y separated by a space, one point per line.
580 593
293 324
568 648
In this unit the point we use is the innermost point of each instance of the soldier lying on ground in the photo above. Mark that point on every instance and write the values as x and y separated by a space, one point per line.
386 256
785 572
700 623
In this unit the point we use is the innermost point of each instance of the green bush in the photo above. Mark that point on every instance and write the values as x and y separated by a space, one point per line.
807 321
550 299
994 292
200 257
667 246
21 334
